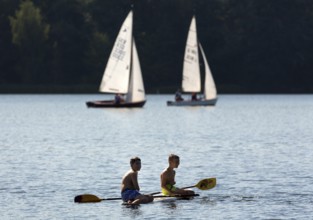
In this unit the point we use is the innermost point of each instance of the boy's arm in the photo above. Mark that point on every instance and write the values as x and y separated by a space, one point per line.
134 177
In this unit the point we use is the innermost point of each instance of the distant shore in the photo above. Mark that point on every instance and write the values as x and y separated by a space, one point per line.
93 89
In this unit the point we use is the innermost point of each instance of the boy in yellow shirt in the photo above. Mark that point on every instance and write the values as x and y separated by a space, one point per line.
168 178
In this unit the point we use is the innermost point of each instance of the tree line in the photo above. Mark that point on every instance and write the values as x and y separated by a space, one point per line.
252 46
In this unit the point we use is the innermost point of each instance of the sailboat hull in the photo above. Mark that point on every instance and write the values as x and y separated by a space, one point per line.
209 102
112 104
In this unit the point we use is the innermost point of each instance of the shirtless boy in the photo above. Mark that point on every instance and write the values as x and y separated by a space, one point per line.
168 178
130 187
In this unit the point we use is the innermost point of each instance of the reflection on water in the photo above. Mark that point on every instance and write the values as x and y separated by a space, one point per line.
132 211
170 205
230 198
258 147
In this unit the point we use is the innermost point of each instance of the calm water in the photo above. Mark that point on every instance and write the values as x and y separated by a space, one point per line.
259 147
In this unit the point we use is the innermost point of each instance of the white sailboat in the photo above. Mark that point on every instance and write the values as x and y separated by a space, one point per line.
191 73
122 74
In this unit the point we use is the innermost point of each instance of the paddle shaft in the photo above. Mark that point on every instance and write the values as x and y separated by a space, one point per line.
92 198
189 187
176 196
180 188
111 199
197 185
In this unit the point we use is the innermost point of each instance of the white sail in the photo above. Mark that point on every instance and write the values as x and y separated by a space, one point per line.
136 91
116 75
191 69
209 85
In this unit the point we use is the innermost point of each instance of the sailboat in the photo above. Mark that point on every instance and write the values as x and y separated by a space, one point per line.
122 74
191 82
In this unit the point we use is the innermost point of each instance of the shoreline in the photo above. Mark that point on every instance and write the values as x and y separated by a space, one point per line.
93 89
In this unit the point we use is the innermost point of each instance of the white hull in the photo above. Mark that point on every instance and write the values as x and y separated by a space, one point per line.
209 102
173 198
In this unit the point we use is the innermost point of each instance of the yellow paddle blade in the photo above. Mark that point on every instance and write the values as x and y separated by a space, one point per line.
86 198
206 184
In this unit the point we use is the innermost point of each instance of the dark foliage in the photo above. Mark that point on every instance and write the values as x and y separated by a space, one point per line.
253 46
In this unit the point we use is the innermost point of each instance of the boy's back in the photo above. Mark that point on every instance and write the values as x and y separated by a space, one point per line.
129 181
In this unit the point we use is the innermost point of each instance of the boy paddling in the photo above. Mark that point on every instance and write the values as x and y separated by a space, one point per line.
130 187
168 178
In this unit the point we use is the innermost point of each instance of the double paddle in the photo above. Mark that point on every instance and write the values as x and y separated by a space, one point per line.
204 184
92 198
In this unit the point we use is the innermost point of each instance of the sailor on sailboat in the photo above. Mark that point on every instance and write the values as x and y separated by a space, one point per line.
191 73
122 74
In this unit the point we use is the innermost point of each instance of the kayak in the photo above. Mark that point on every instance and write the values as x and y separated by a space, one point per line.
162 198
174 198
204 184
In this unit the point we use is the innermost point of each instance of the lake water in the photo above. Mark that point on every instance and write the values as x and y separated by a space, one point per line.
259 147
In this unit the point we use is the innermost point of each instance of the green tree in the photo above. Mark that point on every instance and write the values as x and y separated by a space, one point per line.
96 60
70 36
8 53
29 34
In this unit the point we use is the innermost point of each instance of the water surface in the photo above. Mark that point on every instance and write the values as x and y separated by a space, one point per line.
259 147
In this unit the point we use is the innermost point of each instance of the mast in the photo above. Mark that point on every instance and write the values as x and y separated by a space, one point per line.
130 77
136 92
131 55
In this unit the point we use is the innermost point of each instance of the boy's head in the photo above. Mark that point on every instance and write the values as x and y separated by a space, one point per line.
173 160
135 163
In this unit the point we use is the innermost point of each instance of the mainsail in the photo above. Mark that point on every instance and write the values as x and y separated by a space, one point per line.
191 69
116 75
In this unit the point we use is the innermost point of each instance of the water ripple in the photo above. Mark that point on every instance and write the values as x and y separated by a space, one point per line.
258 147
